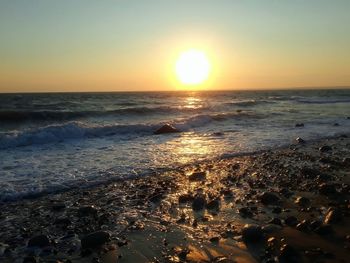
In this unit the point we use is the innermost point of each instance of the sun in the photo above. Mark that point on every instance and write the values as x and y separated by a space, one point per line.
192 67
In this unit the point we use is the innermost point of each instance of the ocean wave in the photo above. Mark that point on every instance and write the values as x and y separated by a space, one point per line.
22 116
326 101
247 103
78 130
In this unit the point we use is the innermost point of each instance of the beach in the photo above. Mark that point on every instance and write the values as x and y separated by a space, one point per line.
288 204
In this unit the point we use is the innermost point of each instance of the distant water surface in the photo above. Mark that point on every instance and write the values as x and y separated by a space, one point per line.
51 142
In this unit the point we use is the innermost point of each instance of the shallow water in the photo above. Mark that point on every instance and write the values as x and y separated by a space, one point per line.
51 142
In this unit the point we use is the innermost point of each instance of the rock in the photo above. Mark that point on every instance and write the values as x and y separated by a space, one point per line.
302 201
272 242
327 189
245 212
277 210
166 128
39 241
275 221
197 176
95 239
288 255
268 198
214 239
315 224
252 233
333 216
300 140
303 226
325 148
286 192
270 228
299 125
185 198
291 221
89 210
198 203
213 204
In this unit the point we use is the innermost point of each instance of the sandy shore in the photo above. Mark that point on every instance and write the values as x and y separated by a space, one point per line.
287 205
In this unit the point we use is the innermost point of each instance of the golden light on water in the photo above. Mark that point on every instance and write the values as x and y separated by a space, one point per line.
192 67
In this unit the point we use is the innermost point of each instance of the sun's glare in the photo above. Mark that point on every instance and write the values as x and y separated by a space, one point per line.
192 67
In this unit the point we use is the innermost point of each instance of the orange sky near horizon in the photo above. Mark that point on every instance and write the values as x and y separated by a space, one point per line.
133 46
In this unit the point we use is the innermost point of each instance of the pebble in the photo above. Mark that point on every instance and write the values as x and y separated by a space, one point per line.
184 198
288 254
291 221
268 198
166 128
198 203
325 148
39 241
300 140
333 216
327 189
95 239
213 204
252 233
245 212
197 176
302 201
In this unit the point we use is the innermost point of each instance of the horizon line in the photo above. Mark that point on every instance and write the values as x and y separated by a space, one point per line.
291 88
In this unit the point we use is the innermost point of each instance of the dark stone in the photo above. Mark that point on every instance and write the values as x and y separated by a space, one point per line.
214 239
325 148
300 140
299 125
288 255
302 201
89 210
275 221
333 216
303 226
95 239
213 204
185 198
166 128
327 189
197 176
252 233
245 212
268 198
277 210
315 224
286 192
291 221
155 198
199 203
39 241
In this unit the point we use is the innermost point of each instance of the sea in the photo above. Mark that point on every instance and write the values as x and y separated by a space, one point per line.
54 142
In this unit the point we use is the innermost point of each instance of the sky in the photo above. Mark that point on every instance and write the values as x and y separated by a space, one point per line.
85 45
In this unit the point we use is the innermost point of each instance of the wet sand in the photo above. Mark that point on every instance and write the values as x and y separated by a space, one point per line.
283 205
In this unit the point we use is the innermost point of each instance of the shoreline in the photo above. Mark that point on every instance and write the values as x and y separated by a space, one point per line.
224 156
285 195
